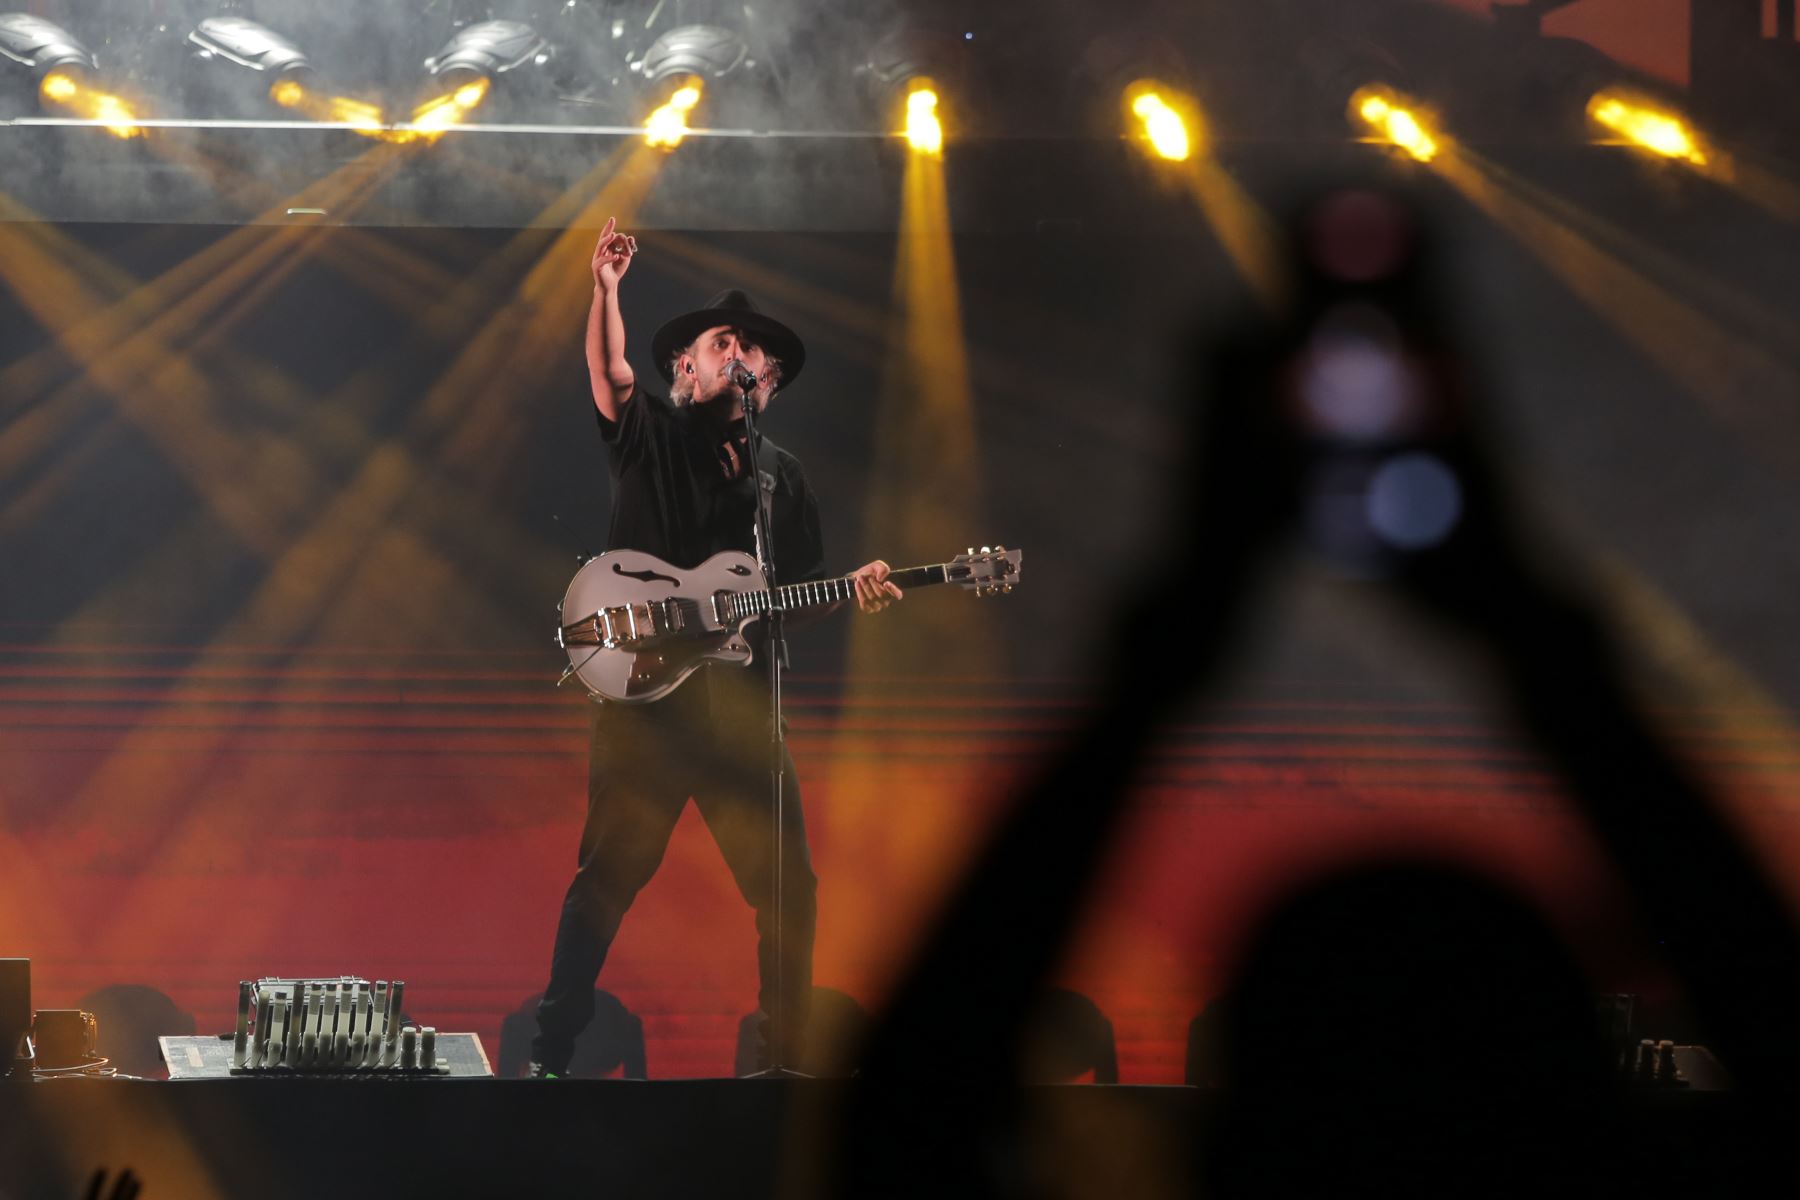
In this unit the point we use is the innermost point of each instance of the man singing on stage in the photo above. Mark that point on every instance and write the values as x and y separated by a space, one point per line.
684 488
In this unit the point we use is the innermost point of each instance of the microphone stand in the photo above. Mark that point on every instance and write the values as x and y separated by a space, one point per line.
777 644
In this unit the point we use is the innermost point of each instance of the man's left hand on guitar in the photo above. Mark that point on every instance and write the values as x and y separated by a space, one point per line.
873 591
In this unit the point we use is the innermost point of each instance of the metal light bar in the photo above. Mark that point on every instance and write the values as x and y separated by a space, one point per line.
352 127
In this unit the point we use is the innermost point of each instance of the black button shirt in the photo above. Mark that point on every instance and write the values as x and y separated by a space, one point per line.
673 496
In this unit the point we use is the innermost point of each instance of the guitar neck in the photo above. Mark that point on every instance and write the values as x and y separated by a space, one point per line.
794 596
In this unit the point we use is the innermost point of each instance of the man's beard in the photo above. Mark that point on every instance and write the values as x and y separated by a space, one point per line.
717 406
723 399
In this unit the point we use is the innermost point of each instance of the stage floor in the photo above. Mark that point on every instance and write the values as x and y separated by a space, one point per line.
274 1139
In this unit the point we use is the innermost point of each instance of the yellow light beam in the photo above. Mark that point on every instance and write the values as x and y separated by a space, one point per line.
1745 316
1170 125
668 124
521 345
1244 229
431 119
829 316
1775 194
400 278
365 117
66 91
328 576
924 503
336 576
135 350
1732 376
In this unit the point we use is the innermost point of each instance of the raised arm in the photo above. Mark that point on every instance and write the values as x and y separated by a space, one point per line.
609 374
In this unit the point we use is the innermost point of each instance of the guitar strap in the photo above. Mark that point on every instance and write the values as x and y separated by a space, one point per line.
766 473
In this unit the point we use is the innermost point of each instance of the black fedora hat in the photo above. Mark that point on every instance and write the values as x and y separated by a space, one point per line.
735 308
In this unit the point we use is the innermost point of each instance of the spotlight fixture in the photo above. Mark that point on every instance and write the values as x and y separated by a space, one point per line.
248 44
486 50
907 76
43 46
1118 68
704 52
287 74
911 54
65 70
1395 119
1642 123
466 68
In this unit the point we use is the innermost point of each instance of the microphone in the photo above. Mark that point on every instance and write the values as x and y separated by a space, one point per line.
741 374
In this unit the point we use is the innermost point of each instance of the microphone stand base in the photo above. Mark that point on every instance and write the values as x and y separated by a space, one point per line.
777 1073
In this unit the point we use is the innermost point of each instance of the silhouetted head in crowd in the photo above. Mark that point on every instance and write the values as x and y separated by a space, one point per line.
1415 1008
1396 975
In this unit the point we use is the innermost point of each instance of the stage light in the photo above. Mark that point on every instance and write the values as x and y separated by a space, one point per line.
248 44
263 51
467 66
43 46
924 133
693 52
486 50
66 69
1160 122
1396 121
668 124
65 90
908 77
1641 123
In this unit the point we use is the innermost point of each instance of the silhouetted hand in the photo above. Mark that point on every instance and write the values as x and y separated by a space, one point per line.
125 1187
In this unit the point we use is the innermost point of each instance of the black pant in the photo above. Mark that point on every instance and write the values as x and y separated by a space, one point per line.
709 740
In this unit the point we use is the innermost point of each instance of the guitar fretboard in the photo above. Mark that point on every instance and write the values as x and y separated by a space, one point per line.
793 596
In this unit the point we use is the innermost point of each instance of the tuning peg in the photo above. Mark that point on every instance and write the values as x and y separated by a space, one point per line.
970 550
987 549
1006 587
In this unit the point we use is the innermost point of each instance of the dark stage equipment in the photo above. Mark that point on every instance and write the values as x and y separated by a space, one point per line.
64 1040
342 1026
15 1009
457 1055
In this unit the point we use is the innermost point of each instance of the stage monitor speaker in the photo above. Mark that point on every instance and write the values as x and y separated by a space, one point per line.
15 1008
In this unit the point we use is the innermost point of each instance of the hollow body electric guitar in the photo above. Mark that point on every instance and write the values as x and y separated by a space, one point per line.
634 627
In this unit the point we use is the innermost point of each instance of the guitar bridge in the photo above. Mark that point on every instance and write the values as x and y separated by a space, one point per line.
628 625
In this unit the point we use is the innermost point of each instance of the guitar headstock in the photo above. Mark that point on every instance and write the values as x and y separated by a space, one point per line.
990 570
